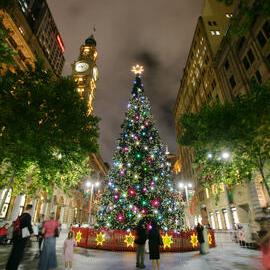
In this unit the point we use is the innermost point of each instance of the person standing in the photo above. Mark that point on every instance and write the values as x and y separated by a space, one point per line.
19 241
3 234
69 249
140 242
199 230
48 254
155 242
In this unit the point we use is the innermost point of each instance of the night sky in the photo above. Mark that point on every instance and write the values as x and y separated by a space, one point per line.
153 33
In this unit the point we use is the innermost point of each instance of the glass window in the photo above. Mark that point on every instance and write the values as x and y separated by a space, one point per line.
212 220
246 63
207 193
266 29
235 215
6 204
261 39
232 81
227 64
219 220
226 219
250 56
258 76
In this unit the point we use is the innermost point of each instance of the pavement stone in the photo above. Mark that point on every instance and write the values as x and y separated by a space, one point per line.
227 256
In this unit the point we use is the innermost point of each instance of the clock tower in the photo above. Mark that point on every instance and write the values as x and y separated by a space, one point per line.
85 71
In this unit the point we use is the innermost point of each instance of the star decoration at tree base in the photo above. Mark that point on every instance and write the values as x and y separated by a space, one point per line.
194 240
78 237
100 238
210 240
167 240
129 240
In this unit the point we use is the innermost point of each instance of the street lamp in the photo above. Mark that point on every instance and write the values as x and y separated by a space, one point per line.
186 187
90 187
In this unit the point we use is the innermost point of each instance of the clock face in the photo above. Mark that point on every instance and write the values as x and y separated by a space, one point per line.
81 66
95 73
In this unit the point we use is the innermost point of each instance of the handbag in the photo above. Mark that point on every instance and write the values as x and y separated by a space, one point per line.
25 232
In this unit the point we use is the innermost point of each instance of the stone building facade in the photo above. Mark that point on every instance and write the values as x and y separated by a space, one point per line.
220 68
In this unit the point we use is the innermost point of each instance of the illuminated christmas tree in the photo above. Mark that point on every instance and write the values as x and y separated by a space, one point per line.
139 184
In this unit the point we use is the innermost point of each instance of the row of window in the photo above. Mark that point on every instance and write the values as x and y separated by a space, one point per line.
216 219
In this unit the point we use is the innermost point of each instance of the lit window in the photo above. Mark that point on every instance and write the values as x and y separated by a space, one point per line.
21 30
235 215
213 33
226 219
212 220
228 15
207 193
6 203
219 220
218 33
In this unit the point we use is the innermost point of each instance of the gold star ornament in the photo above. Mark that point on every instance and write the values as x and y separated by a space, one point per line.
78 237
210 240
194 240
137 70
129 240
167 241
100 238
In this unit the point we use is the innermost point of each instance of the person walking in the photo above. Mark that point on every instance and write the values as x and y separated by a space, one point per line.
155 242
20 238
48 254
40 234
199 230
69 250
140 240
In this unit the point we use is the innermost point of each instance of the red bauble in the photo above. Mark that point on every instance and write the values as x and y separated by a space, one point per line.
132 192
155 203
120 217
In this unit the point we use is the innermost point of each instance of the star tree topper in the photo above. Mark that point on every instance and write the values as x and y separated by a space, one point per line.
137 70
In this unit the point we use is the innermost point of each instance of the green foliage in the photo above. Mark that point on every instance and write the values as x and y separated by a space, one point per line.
139 184
6 53
45 131
247 14
242 127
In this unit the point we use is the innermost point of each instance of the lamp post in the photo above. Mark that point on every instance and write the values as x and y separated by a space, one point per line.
186 186
90 187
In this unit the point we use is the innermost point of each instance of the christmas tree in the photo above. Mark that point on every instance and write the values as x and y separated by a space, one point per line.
139 184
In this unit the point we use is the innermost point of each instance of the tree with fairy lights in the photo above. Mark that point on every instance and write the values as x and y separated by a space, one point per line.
139 184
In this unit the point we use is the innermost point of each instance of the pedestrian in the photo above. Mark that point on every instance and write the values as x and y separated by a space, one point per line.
69 250
48 253
20 237
3 234
201 239
264 241
155 242
40 234
140 240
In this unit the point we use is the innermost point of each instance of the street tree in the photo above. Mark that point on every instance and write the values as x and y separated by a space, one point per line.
46 132
241 127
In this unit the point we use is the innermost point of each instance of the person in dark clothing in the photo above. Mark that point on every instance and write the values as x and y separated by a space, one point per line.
155 242
199 230
19 242
140 240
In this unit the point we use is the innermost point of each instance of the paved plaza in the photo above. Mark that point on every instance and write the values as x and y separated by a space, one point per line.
227 256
